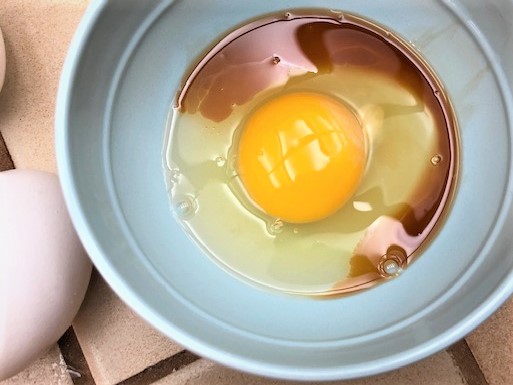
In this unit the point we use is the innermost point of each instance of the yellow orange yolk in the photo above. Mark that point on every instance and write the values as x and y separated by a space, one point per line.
301 156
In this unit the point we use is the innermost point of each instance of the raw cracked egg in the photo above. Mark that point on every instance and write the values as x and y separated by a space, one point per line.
313 153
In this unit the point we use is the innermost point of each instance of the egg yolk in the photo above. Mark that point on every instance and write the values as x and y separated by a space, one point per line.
301 156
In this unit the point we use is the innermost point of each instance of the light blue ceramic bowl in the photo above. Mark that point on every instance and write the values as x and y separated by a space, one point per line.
122 71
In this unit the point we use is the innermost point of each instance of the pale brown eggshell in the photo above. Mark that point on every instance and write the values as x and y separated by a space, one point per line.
2 60
44 270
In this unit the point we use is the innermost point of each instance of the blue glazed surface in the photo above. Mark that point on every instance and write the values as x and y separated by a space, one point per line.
122 72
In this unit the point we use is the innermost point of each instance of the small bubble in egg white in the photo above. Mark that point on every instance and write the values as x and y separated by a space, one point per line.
391 264
391 268
220 161
435 160
276 227
185 206
174 175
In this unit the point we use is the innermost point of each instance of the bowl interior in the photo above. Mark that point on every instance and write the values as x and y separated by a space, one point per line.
124 69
